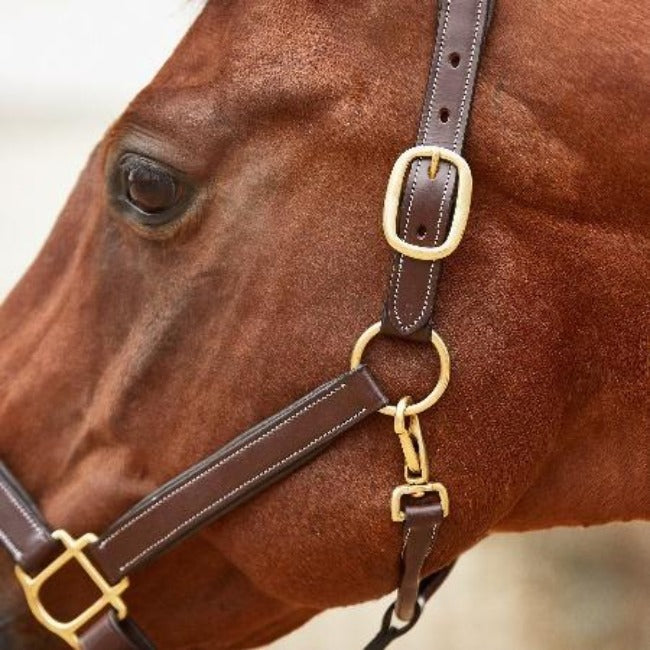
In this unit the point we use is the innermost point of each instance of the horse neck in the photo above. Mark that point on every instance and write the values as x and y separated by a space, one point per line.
602 375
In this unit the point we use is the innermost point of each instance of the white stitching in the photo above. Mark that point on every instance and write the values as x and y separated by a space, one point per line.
406 539
427 124
199 514
207 471
9 544
426 555
461 114
428 551
28 518
434 530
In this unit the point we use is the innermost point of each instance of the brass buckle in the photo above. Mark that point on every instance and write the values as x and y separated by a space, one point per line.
110 593
394 192
396 512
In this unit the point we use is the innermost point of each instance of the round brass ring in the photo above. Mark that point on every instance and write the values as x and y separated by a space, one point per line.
438 389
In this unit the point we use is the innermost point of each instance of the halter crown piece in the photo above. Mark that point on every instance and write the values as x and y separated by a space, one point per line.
425 214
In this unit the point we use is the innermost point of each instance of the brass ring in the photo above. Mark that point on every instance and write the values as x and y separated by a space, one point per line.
438 389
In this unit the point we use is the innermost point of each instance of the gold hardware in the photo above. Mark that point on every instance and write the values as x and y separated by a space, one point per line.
111 594
394 192
396 512
416 462
439 388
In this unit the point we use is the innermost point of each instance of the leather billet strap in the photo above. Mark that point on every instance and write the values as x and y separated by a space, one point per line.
427 204
249 463
107 633
422 521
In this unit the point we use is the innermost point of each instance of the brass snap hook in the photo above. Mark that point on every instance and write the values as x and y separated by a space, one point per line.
416 462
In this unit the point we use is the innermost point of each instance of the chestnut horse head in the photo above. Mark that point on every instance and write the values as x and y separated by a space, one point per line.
222 251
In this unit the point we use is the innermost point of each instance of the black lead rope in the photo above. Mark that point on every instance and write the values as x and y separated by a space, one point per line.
389 632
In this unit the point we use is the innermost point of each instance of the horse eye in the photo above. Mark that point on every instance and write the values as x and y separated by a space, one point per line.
150 188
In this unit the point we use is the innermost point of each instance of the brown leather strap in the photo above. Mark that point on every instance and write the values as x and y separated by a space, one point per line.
248 464
423 519
22 530
389 632
427 204
107 633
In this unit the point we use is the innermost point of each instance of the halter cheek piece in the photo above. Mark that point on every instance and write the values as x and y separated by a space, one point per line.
425 213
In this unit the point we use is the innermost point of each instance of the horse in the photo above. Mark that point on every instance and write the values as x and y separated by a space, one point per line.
135 345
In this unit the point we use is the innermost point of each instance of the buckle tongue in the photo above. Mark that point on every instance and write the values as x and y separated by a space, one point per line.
110 594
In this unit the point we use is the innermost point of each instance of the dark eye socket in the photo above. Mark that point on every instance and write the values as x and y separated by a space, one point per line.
150 189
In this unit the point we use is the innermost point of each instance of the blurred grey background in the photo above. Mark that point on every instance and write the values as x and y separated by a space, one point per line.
66 71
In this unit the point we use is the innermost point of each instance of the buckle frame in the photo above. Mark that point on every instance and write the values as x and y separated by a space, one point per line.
394 193
110 594
396 512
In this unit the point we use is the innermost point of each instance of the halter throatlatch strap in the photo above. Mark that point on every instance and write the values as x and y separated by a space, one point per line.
248 464
426 205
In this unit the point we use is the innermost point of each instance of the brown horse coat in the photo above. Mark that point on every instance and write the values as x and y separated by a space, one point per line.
127 354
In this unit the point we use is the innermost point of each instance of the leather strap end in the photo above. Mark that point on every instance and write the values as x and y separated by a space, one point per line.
388 632
108 633
420 333
23 532
423 518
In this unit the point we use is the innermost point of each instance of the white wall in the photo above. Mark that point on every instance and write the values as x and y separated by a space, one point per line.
67 68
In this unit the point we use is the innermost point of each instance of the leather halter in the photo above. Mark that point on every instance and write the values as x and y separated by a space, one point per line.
424 219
